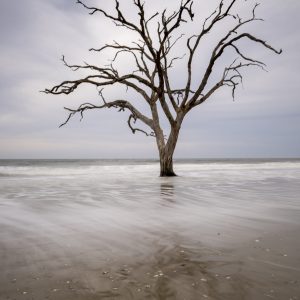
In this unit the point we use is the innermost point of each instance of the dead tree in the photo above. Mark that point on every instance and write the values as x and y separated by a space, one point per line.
152 56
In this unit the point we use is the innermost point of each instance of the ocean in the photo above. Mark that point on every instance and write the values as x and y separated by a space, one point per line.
113 229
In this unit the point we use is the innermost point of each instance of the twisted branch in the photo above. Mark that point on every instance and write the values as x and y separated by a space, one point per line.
121 105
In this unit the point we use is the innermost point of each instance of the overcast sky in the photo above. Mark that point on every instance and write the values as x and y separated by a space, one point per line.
263 121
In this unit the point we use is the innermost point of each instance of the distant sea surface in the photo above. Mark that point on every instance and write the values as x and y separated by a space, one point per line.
113 229
92 166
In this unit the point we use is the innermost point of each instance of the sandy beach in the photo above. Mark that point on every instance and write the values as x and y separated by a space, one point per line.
120 232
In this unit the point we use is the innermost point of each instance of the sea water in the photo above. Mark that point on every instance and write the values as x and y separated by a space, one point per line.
93 229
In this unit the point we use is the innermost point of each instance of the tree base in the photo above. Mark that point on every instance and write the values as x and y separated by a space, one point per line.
169 174
166 165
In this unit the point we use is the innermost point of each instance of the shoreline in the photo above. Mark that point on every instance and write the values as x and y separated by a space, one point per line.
92 232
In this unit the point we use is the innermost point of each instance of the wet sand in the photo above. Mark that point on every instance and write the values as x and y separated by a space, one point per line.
164 239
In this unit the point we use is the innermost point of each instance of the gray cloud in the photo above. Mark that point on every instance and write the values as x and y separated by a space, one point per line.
263 121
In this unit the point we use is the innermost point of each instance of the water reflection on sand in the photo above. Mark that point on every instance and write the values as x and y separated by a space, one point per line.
120 232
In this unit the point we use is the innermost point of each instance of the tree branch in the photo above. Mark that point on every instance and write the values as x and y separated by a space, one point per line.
217 15
232 77
132 118
225 43
120 104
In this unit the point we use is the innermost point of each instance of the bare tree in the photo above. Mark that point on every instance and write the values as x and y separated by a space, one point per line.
153 59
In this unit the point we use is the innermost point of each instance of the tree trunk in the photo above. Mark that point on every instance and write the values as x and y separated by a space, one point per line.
166 150
166 164
166 153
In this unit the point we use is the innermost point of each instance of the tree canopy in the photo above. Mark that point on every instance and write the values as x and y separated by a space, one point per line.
158 35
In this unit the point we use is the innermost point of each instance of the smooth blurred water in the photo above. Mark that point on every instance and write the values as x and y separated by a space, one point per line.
87 213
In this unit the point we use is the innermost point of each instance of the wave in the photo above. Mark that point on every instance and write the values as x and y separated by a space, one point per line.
10 171
139 168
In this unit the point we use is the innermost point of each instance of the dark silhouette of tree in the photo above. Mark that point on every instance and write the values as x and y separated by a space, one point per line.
153 60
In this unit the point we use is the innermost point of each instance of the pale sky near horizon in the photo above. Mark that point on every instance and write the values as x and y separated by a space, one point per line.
263 121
